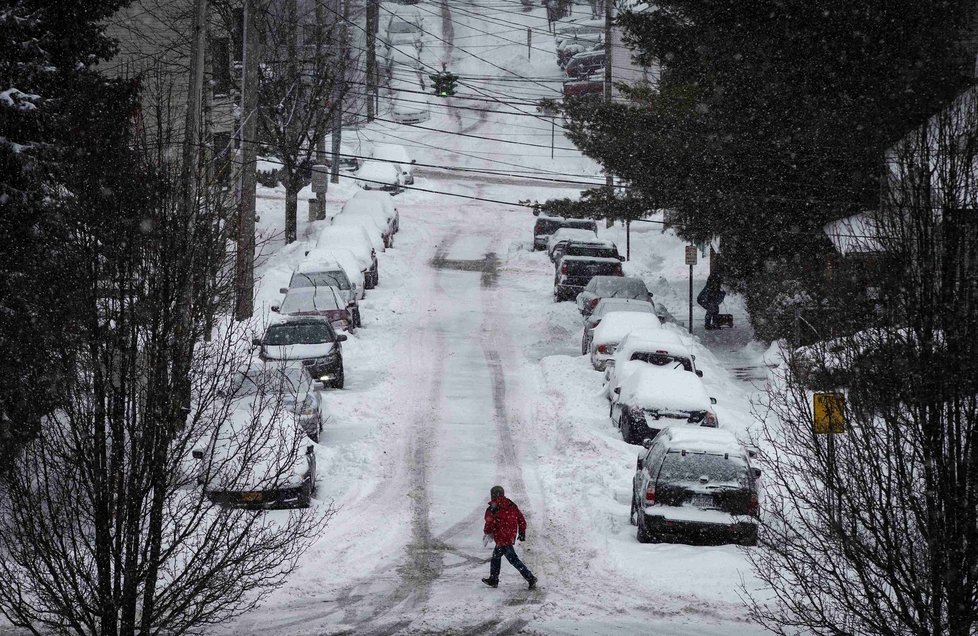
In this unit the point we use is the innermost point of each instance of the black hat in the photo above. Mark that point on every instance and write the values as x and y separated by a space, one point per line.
496 491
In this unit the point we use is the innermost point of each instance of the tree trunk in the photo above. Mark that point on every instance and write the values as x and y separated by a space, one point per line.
291 210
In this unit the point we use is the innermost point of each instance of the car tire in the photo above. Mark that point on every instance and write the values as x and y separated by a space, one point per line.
643 535
633 515
338 382
625 424
557 297
584 346
356 319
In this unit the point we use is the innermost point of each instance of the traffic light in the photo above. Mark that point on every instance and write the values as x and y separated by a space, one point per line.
444 83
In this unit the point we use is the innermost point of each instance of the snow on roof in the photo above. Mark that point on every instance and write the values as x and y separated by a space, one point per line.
703 439
383 198
664 389
357 205
608 305
313 266
856 234
377 171
616 325
653 340
592 241
593 259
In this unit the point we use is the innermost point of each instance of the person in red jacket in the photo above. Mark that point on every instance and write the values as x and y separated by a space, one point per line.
504 524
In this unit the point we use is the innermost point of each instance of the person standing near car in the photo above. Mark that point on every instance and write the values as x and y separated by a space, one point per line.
504 524
710 298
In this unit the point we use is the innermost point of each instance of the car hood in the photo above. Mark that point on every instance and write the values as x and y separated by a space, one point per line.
298 351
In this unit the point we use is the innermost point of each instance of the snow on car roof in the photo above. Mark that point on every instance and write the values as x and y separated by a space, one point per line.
362 205
594 259
385 199
318 298
570 233
664 389
377 171
592 241
642 339
703 439
608 305
391 152
616 324
313 266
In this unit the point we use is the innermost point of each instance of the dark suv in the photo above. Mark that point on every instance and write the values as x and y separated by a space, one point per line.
308 340
575 272
547 225
695 484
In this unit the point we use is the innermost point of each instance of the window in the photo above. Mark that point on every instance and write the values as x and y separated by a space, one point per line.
321 279
301 333
692 467
662 359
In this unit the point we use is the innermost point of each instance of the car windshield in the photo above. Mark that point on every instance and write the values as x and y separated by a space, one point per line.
321 279
546 226
622 288
322 299
693 467
663 359
302 333
591 250
402 27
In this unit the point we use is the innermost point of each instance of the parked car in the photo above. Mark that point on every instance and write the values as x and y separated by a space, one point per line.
608 305
356 240
567 29
585 64
658 347
410 108
374 210
385 201
299 393
611 287
374 228
614 326
547 225
353 149
327 273
580 88
653 397
258 458
695 485
357 268
378 175
405 27
575 272
590 247
317 301
308 340
565 234
398 156
579 43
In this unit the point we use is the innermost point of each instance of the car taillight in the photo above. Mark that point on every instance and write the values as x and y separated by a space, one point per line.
595 323
650 495
563 268
619 271
602 348
754 507
710 419
593 302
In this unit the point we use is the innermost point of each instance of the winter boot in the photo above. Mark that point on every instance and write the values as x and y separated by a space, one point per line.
491 582
532 583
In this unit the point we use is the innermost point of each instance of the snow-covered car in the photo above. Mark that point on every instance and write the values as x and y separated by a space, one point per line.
652 397
565 234
659 347
357 268
575 272
578 43
410 108
378 175
403 67
567 29
374 210
259 457
398 155
405 27
327 273
324 301
307 340
601 248
585 64
614 326
611 287
356 240
544 226
385 201
608 305
288 383
375 228
695 485
353 149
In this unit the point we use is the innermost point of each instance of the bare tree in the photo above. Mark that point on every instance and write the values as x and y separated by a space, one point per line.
301 86
875 530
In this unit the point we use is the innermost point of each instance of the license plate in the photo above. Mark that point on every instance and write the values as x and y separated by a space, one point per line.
702 501
251 497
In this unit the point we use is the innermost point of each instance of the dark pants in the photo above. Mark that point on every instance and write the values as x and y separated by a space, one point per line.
496 562
712 311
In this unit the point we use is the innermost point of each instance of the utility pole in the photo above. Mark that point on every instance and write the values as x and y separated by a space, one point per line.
321 138
340 92
608 16
245 257
373 24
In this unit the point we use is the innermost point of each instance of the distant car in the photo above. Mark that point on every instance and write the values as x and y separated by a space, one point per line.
579 43
308 340
374 209
658 347
653 397
405 27
327 273
357 268
585 64
580 88
590 247
575 272
568 29
611 287
398 156
355 239
410 108
386 201
547 225
327 302
608 305
378 175
374 228
695 485
300 394
614 327
565 234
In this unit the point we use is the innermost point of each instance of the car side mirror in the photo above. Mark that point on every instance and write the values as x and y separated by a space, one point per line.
713 400
283 290
699 373
757 472
197 453
638 464
275 308
617 390
647 443
621 258
341 337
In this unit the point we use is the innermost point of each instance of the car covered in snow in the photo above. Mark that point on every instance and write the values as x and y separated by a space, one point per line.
327 273
608 305
309 341
385 201
374 210
565 234
652 397
405 26
611 287
357 269
600 248
660 347
585 64
357 241
575 272
695 485
324 301
613 328
397 155
378 175
376 229
544 226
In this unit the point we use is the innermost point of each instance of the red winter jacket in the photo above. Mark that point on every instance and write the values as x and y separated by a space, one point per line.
504 521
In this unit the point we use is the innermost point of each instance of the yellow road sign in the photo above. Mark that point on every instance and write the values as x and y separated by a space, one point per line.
830 413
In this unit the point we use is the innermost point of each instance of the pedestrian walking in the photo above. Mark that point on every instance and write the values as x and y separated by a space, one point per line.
709 299
504 525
